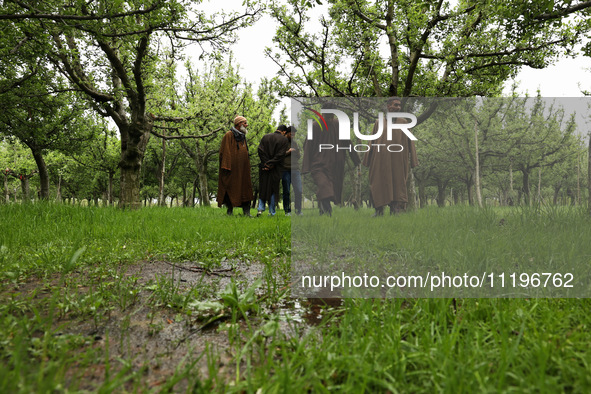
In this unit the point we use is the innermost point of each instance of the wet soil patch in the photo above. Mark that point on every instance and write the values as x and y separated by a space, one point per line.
152 336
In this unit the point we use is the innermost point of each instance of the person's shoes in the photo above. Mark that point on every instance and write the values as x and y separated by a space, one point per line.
259 213
397 208
379 212
288 214
325 207
299 213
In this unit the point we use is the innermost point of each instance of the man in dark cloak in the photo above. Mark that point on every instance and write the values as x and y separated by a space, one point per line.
327 166
389 171
234 184
291 174
272 149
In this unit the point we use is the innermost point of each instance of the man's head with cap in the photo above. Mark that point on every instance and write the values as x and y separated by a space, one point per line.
241 124
282 128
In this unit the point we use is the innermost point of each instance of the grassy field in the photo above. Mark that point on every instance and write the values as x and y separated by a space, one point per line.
190 300
493 242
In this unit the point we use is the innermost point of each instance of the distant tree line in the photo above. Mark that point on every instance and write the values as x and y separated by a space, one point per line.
99 102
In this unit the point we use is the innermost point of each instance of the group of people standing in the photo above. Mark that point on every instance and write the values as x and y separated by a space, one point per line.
279 158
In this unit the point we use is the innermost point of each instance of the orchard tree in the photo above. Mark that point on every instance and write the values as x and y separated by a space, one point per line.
17 164
100 155
215 94
43 120
545 138
162 162
419 48
108 49
481 142
38 108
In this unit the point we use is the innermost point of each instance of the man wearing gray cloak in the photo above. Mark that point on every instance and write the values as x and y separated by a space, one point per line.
388 171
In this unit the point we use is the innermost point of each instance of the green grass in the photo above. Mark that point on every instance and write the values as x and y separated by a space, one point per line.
64 267
454 240
430 346
43 238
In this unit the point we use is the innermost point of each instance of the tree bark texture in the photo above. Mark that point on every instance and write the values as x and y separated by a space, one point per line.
477 167
25 187
133 147
43 174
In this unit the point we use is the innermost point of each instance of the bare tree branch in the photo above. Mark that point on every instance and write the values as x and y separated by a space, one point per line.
184 137
563 11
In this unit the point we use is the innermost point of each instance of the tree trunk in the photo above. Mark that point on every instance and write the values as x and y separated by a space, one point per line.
130 188
162 175
133 147
539 185
477 168
110 188
6 193
58 196
43 174
525 187
200 159
468 183
422 195
440 194
203 188
357 197
412 195
25 187
456 196
134 139
556 194
571 194
193 194
578 178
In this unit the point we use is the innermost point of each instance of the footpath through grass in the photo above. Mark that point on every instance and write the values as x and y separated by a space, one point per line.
76 312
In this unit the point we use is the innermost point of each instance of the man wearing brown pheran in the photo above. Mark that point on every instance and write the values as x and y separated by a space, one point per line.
234 184
388 171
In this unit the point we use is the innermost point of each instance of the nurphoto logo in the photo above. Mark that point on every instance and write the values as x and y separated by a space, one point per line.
392 120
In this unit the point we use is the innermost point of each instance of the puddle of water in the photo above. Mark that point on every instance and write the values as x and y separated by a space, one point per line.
310 311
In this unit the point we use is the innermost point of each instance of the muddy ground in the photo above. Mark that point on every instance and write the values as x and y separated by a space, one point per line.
157 341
